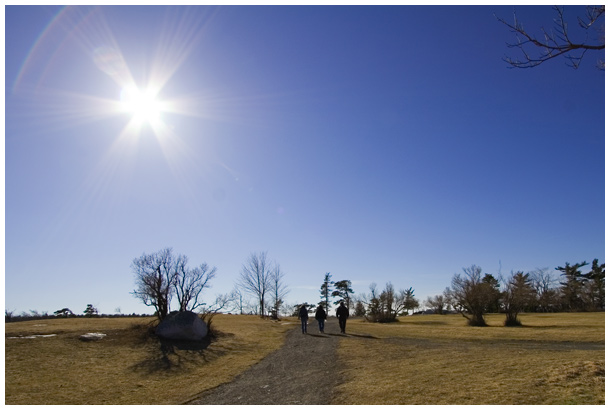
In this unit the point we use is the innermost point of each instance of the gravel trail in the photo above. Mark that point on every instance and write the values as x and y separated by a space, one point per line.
303 371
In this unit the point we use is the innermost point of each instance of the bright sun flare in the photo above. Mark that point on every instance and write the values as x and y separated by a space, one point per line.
142 104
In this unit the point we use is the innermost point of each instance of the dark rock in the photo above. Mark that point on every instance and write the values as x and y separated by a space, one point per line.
182 326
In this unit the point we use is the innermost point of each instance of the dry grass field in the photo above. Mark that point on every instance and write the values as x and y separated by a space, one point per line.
552 359
127 366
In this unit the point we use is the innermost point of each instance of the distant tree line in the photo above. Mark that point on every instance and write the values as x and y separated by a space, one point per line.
163 277
474 294
90 311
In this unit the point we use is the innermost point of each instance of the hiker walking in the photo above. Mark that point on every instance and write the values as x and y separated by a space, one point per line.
342 314
304 316
320 317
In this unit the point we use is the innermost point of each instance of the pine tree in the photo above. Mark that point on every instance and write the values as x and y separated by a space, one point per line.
343 290
572 288
325 291
90 311
597 285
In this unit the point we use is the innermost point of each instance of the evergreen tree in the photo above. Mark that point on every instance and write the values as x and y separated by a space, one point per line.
596 286
572 288
343 290
65 312
410 301
325 291
90 311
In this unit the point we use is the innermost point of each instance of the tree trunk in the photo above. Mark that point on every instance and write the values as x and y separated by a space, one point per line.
511 319
477 320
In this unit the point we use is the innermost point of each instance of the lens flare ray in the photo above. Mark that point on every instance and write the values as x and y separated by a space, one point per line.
62 101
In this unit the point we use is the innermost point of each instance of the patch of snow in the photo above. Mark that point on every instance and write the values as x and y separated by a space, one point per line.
29 337
92 336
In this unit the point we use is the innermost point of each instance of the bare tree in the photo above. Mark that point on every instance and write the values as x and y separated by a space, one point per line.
287 309
278 289
471 296
437 303
221 302
545 284
8 315
162 275
190 283
255 278
370 302
390 304
559 41
155 276
239 301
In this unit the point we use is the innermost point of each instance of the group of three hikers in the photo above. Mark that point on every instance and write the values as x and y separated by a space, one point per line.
342 314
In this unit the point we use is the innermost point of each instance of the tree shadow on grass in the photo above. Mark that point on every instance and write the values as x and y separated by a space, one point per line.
166 355
363 336
170 346
428 323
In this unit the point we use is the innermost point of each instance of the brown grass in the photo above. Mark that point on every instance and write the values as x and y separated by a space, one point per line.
128 366
552 359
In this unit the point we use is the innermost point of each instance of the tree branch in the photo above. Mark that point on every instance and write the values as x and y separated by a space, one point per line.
554 45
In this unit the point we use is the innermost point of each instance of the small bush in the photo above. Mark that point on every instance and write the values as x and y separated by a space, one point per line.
381 317
512 322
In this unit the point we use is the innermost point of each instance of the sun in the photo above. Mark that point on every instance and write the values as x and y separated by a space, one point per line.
143 105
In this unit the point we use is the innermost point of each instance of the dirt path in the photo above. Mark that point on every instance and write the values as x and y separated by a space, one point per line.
303 371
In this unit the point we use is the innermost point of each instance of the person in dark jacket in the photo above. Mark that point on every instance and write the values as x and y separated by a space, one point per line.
342 314
304 316
321 317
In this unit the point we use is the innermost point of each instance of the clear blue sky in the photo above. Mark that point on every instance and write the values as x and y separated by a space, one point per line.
380 144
